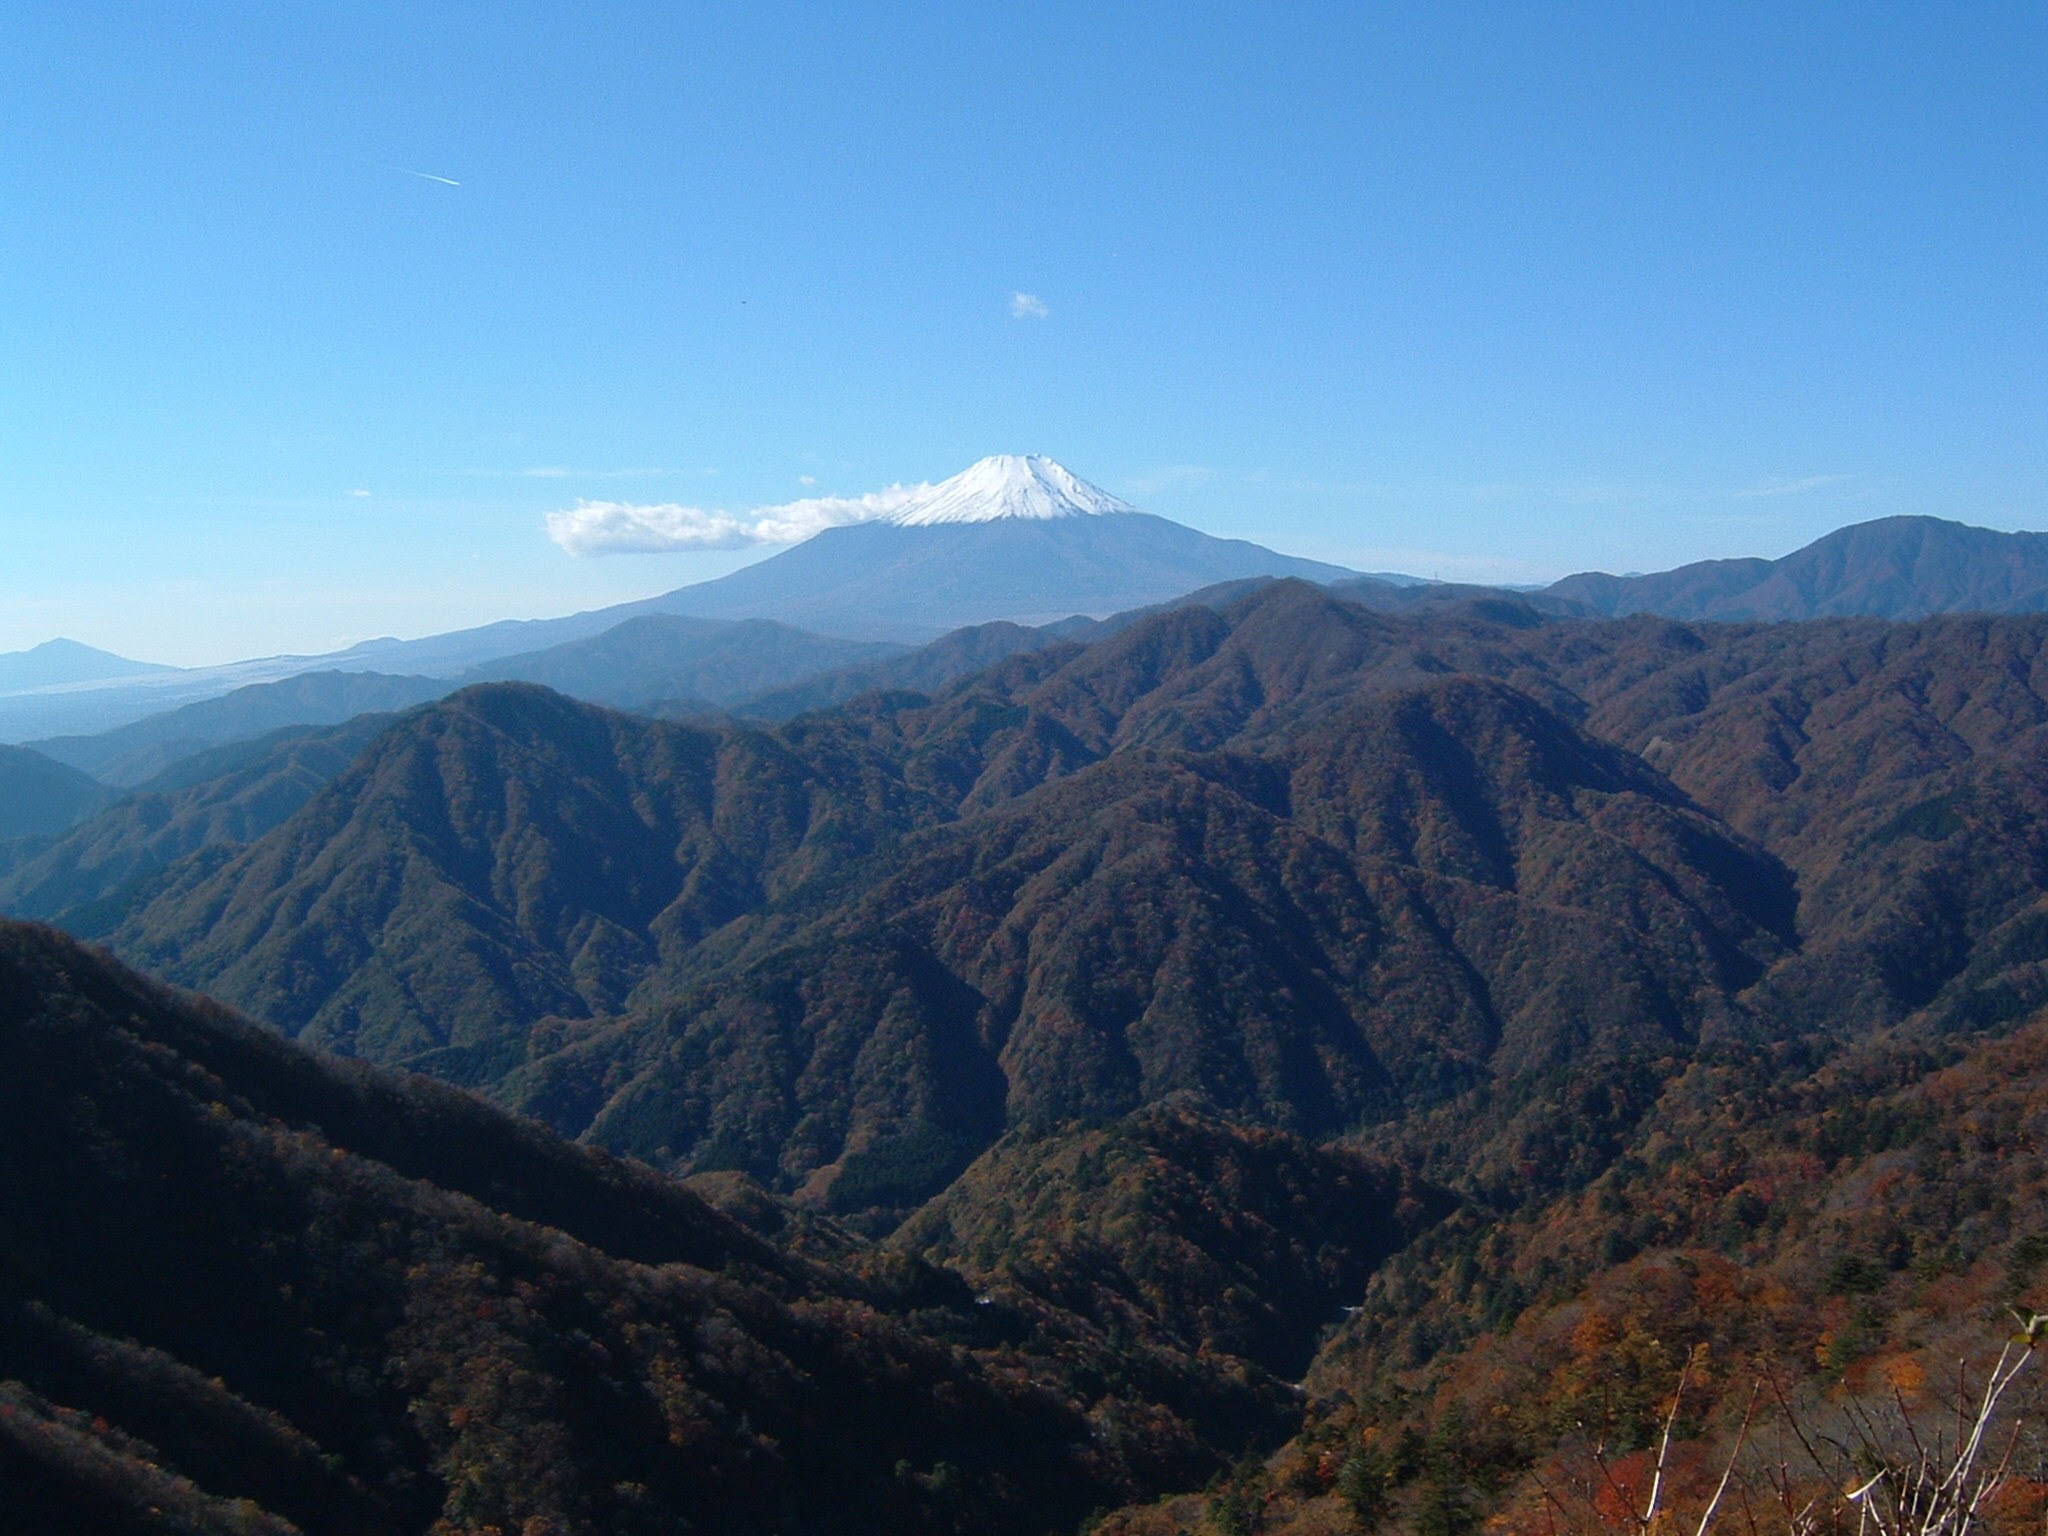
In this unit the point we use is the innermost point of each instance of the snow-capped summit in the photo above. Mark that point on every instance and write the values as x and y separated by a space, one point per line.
1008 485
1014 537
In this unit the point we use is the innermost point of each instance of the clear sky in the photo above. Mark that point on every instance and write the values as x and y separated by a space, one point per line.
310 315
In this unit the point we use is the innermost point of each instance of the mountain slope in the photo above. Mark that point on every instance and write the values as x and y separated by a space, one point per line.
665 656
216 800
39 795
1313 865
1894 568
506 855
131 755
1893 767
1261 855
1843 1234
1223 1237
888 581
639 661
245 1288
1337 933
927 669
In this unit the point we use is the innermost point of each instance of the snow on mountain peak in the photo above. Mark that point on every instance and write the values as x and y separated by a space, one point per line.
1008 485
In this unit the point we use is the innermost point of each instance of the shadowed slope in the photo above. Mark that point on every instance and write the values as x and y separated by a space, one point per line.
90 878
40 796
263 1291
505 856
1439 886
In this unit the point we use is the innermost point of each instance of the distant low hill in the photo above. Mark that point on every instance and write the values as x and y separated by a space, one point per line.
57 662
665 656
40 795
641 661
132 754
1893 568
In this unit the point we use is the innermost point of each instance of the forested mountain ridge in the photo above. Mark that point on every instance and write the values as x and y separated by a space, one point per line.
1891 568
1155 923
130 756
246 1288
42 797
218 799
1559 995
1314 864
572 906
1371 878
562 846
1810 1251
659 656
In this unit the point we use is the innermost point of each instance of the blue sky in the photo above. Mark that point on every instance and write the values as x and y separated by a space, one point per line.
1491 292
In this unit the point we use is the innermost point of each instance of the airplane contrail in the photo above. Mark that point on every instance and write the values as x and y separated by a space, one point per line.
406 170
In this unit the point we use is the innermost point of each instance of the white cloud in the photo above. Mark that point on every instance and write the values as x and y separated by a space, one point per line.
544 472
1028 306
630 528
807 480
359 493
1793 487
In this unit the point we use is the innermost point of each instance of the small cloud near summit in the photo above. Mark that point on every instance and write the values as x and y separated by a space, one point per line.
1798 487
628 528
1028 306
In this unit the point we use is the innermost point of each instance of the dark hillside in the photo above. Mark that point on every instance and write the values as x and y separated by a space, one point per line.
503 857
1897 769
1369 921
241 1286
1289 855
1559 995
1217 1237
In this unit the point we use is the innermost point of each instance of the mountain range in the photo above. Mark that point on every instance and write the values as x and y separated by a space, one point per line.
1312 864
641 662
1268 1062
1893 568
248 1289
1012 539
41 795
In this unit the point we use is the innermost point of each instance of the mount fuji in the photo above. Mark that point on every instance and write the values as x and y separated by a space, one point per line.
1014 536
1009 538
